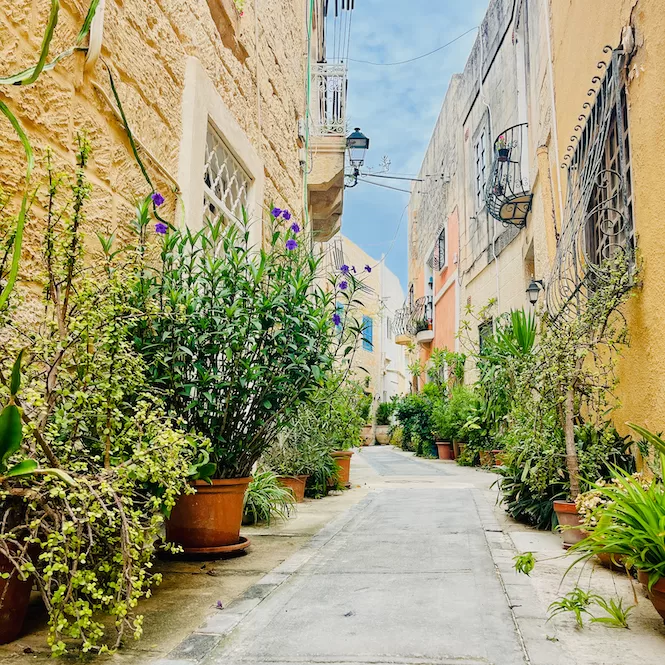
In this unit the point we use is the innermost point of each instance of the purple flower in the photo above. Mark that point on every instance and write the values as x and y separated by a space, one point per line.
158 200
286 215
276 212
368 268
291 244
220 605
295 228
337 319
161 228
343 285
344 269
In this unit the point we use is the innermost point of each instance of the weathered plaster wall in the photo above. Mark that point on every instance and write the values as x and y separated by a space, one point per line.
146 45
642 370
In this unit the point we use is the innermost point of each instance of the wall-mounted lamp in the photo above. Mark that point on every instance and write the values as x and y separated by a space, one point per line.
534 289
357 144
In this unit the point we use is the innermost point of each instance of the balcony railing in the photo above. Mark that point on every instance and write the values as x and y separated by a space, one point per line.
508 194
412 319
328 110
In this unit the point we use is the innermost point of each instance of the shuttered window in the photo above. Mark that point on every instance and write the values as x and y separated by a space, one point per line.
368 333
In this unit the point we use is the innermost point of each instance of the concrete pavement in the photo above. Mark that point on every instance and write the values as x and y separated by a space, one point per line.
419 572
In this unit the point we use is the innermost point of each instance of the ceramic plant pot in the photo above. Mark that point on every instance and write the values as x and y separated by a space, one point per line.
504 154
296 484
208 522
383 434
656 594
445 450
343 459
367 435
14 600
566 512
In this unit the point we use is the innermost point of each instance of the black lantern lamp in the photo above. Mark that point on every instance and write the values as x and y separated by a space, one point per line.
357 144
534 289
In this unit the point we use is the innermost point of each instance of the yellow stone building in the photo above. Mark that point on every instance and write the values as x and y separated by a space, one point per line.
230 103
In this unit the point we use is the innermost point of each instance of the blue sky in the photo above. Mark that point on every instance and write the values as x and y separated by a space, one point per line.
397 107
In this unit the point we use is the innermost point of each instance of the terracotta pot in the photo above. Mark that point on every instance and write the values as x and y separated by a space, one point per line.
296 484
612 561
383 434
208 522
486 458
498 457
343 459
566 512
14 600
445 449
657 593
367 435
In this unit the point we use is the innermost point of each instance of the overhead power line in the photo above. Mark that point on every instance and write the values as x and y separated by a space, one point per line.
418 57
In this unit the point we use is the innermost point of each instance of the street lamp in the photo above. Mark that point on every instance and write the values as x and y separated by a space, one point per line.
534 289
357 144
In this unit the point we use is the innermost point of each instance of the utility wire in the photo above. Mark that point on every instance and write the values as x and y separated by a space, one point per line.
378 184
419 57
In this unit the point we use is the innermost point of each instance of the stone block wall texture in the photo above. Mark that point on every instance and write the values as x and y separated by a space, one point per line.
146 44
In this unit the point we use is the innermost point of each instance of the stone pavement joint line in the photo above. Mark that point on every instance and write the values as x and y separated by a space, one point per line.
412 575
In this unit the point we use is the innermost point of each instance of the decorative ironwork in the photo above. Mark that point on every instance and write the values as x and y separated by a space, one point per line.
508 193
225 183
329 88
412 319
598 220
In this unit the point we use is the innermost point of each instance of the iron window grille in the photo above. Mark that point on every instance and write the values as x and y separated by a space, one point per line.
485 334
480 159
226 184
598 222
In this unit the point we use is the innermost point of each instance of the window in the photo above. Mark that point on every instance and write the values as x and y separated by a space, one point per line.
440 250
412 297
485 334
339 310
480 159
226 184
368 333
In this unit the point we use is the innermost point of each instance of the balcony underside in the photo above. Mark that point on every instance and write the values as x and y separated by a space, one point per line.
325 185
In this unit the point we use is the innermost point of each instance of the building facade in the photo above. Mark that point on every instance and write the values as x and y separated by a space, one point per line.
379 361
231 104
547 156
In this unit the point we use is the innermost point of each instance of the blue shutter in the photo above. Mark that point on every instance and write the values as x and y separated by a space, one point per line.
368 333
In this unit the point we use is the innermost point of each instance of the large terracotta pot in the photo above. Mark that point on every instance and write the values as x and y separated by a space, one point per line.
14 600
445 450
367 435
296 484
343 459
486 458
566 512
656 594
208 522
383 434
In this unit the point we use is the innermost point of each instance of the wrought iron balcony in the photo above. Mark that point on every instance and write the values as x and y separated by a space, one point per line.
508 194
328 111
414 319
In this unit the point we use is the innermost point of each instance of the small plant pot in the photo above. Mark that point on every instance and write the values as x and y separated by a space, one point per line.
569 519
499 457
14 601
208 522
504 154
343 459
296 484
383 434
486 458
367 435
445 450
615 562
656 594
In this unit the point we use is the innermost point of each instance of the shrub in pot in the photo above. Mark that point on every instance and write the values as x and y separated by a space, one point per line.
450 416
414 414
235 339
383 422
266 498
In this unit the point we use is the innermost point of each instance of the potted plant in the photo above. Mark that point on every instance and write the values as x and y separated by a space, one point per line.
235 338
502 148
450 417
383 421
365 409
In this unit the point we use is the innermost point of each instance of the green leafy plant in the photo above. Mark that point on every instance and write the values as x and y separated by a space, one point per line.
266 499
414 414
236 338
384 413
451 415
524 563
576 602
617 614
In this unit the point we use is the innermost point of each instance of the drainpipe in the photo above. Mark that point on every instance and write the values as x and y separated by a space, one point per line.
96 37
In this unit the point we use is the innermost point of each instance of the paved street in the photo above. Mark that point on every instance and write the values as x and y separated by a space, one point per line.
408 577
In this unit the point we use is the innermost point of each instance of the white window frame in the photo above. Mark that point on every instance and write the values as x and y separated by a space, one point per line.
202 104
481 166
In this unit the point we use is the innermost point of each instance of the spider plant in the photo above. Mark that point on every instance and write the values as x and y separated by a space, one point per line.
576 601
266 498
617 614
